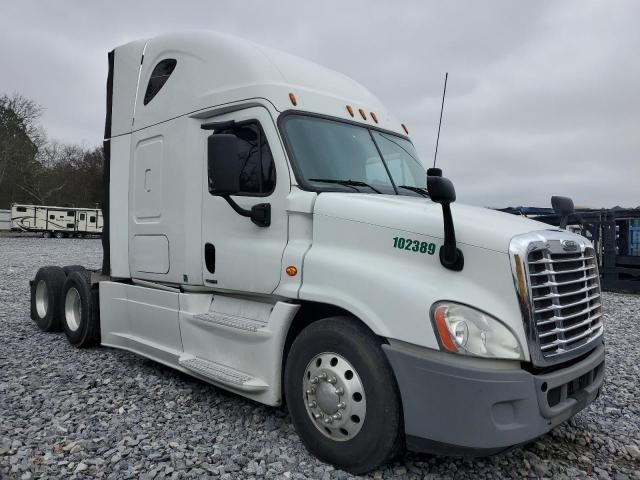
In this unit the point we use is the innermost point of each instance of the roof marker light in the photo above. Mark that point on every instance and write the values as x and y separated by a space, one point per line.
374 116
350 110
362 114
406 130
293 99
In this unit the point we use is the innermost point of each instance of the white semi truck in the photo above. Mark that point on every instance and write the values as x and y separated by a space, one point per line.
58 222
269 229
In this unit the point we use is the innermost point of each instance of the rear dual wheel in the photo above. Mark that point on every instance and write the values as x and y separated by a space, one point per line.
46 292
64 299
342 395
80 311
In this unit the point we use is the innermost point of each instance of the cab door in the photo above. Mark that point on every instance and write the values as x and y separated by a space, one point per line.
237 254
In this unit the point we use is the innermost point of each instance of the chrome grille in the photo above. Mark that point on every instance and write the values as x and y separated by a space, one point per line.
566 308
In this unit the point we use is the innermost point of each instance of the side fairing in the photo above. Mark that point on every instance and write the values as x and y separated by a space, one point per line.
359 267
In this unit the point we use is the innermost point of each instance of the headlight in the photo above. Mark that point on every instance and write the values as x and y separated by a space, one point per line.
468 331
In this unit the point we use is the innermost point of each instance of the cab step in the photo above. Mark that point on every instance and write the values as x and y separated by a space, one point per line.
231 321
222 374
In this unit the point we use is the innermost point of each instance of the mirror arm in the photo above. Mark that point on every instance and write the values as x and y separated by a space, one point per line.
450 255
259 214
237 208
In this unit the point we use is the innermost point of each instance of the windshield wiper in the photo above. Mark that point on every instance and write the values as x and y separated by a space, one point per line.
420 190
348 183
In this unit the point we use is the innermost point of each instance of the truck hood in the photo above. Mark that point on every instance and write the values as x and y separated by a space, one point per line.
476 226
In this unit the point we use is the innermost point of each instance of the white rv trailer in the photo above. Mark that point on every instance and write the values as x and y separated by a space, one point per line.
270 230
56 222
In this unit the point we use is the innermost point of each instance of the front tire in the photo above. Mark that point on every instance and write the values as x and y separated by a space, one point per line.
342 395
45 298
80 311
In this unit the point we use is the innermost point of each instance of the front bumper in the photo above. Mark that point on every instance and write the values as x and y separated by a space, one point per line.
455 410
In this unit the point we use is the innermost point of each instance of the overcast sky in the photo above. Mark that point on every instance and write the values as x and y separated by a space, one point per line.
543 96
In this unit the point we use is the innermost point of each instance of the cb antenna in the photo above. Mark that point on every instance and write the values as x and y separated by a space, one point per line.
444 92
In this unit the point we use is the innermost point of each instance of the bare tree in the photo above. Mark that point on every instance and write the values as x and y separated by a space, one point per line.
35 170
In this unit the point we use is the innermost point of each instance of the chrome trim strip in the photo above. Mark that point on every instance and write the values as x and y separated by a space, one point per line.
569 317
550 296
568 305
561 272
557 330
547 260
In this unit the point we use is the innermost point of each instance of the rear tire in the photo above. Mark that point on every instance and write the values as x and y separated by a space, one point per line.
46 291
80 310
73 268
58 235
341 362
46 234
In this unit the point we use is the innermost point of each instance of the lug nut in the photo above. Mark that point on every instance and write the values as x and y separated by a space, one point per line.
332 380
328 420
322 376
339 390
311 391
316 416
337 416
314 380
341 405
312 404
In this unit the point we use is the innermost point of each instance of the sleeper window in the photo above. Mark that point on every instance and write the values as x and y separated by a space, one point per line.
159 76
258 174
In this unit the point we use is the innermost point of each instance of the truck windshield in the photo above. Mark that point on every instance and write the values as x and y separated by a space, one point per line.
335 155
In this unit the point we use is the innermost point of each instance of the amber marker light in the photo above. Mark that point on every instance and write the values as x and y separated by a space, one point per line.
406 130
293 99
443 331
362 114
291 271
350 110
522 285
374 116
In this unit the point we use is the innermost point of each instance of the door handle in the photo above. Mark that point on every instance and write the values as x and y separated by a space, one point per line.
210 257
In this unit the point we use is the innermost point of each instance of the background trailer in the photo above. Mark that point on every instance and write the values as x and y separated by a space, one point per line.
56 221
615 234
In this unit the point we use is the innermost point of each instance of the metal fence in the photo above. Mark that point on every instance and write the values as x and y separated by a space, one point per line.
5 219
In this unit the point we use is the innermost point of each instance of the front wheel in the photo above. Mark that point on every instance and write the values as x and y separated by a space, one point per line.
342 395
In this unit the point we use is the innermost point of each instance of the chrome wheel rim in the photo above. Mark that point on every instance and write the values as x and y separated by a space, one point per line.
72 309
42 299
334 396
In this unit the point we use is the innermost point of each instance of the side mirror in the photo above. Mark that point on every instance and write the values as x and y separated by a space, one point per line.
563 206
224 176
224 168
441 189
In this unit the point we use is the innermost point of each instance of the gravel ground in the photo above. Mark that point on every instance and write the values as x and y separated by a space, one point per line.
67 413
